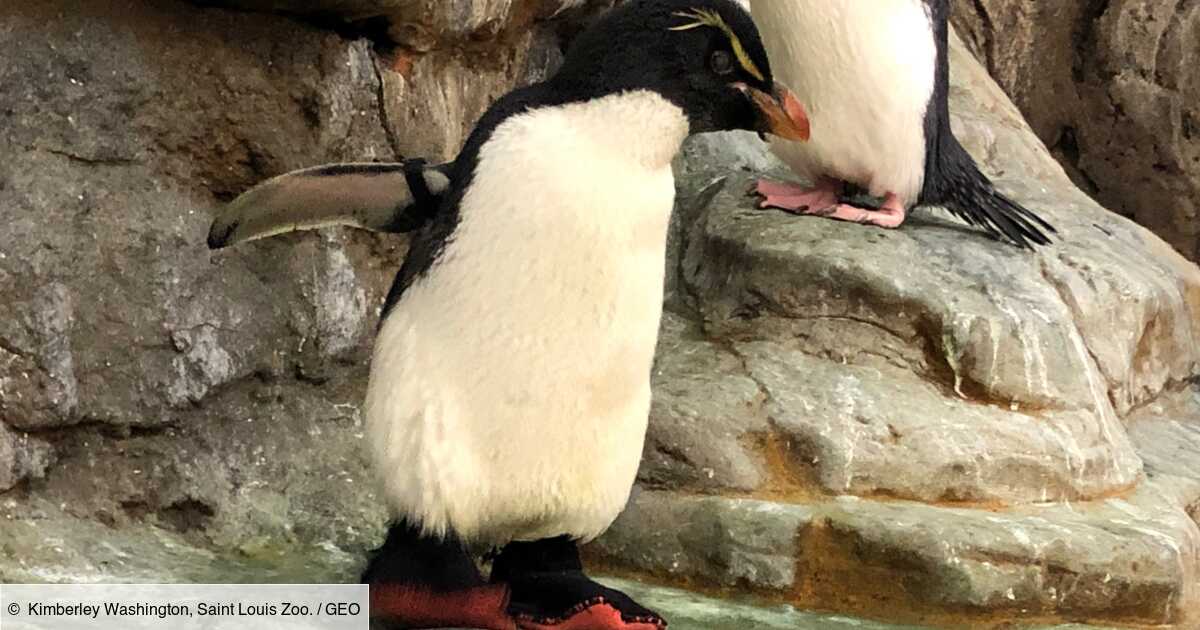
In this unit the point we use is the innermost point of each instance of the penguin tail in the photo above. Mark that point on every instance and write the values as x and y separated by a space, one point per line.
382 197
957 184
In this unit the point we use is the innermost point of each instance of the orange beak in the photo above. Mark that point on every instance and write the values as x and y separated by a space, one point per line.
782 114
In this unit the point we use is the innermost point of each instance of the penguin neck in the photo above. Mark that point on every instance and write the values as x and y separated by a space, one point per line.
637 125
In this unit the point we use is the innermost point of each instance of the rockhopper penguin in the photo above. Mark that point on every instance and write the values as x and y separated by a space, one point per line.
510 385
875 78
509 388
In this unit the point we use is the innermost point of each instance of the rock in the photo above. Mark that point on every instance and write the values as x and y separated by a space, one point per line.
727 542
115 309
1167 436
1112 89
199 410
46 545
22 457
879 430
1131 558
454 91
42 544
704 411
1135 558
424 25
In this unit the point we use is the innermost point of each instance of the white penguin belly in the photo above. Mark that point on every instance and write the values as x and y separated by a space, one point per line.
864 70
509 389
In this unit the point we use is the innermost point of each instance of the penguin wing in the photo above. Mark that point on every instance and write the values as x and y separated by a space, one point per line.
382 197
959 186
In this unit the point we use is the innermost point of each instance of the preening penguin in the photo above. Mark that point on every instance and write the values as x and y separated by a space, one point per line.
379 197
510 384
875 77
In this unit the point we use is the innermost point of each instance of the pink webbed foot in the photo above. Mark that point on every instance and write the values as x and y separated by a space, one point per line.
797 199
890 215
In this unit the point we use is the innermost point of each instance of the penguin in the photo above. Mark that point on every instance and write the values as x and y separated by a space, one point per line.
381 197
509 388
875 77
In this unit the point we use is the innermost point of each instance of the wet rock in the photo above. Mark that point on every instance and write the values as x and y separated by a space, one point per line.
41 543
1134 558
46 545
879 430
705 413
728 542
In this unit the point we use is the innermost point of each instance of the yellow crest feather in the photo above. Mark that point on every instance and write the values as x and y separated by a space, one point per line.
704 17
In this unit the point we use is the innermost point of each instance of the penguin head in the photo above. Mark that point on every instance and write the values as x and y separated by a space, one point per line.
705 56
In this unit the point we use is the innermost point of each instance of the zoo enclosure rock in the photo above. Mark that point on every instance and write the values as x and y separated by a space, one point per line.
215 394
1112 88
447 61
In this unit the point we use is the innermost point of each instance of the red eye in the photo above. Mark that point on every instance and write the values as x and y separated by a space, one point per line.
721 62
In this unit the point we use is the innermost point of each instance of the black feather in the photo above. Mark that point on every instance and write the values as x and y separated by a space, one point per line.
952 178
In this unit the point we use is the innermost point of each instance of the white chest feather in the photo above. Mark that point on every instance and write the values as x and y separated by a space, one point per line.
509 389
865 70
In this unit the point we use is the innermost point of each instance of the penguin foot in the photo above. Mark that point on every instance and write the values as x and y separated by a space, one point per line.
549 591
572 601
798 199
396 606
890 215
421 581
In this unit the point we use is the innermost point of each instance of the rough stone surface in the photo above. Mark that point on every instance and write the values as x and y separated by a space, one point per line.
728 542
423 25
1112 87
880 430
445 86
114 308
22 457
1135 558
1167 436
195 410
705 414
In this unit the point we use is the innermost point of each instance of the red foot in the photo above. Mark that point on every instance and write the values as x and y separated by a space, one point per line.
797 199
593 615
414 607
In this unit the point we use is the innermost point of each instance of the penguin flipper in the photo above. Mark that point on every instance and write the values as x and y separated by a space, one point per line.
382 197
958 185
